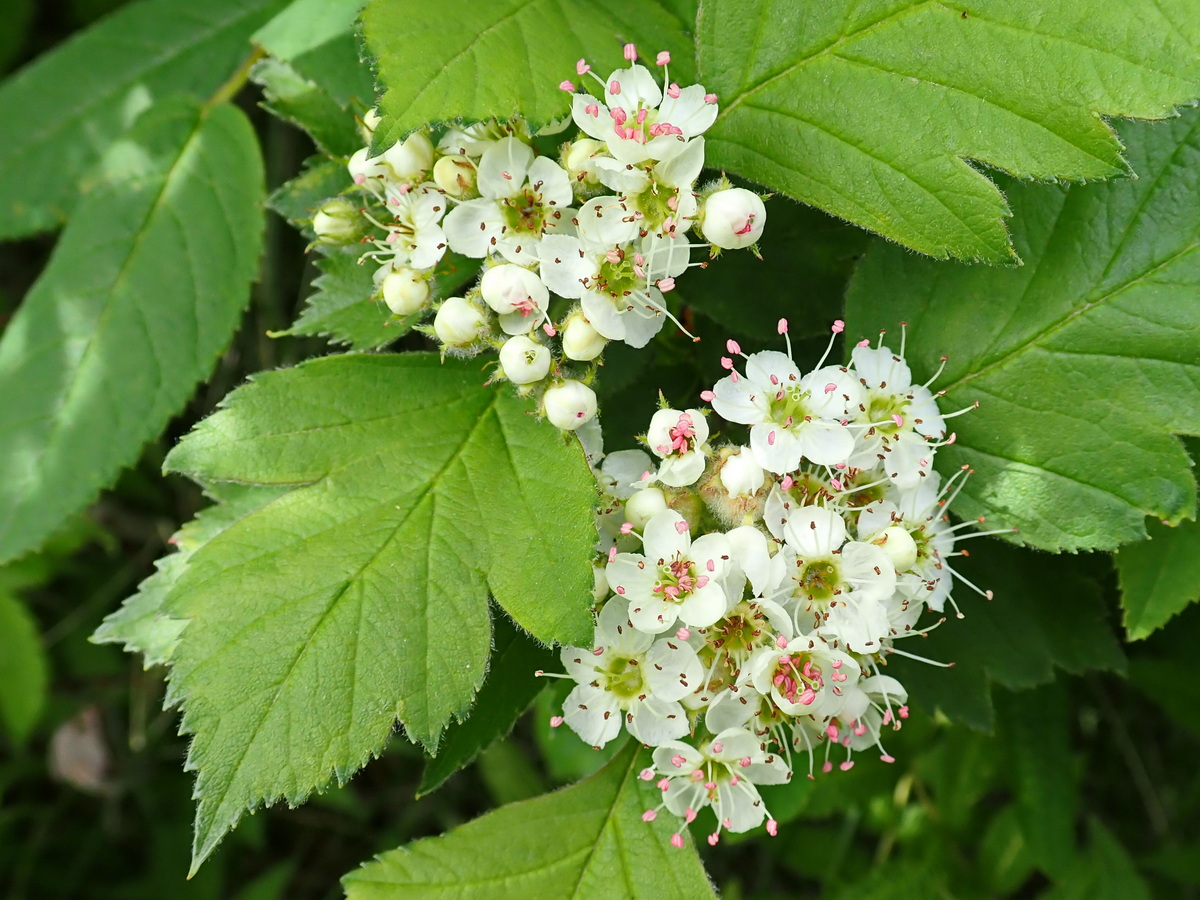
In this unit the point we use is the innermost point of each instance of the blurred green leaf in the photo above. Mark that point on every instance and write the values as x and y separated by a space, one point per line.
295 99
23 669
1106 872
1159 577
317 38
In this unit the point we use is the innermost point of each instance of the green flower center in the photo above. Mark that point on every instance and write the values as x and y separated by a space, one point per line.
787 408
818 580
525 213
623 677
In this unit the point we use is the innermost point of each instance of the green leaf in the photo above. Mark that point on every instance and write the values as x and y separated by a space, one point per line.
872 110
295 99
1083 361
1105 873
299 199
585 841
344 310
144 290
23 669
317 38
139 625
62 112
1159 577
510 687
415 491
1047 613
508 56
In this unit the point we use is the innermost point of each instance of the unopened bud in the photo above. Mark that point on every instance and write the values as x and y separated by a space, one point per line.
569 404
741 475
404 291
733 218
899 545
361 168
580 341
455 175
410 158
337 222
515 293
370 121
579 161
459 323
644 506
523 360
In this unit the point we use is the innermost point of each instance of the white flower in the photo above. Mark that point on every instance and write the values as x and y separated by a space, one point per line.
363 168
522 198
414 236
517 294
409 159
722 773
673 578
523 360
621 473
459 323
678 439
806 676
733 218
404 290
790 417
637 122
741 475
569 404
629 674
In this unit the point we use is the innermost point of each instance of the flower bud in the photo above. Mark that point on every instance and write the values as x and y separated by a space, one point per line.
524 360
644 506
899 545
410 158
579 161
741 475
733 218
569 404
455 175
599 584
361 168
337 222
459 323
370 121
517 294
404 291
580 341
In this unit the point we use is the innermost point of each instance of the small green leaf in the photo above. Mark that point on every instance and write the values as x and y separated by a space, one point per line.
299 199
144 290
23 668
872 110
415 490
317 38
1159 577
585 841
1106 872
505 57
295 99
1083 361
510 687
343 308
62 112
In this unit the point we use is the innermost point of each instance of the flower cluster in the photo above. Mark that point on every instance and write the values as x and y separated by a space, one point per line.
750 596
603 227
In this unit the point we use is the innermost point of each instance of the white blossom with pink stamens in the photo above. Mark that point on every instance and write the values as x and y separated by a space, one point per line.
678 438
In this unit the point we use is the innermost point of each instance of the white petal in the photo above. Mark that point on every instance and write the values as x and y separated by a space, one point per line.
672 669
471 226
826 443
813 531
653 615
598 126
776 449
704 606
606 222
666 535
683 470
739 401
880 367
551 181
503 168
620 176
689 111
740 805
761 366
564 266
614 631
637 88
592 714
683 168
654 720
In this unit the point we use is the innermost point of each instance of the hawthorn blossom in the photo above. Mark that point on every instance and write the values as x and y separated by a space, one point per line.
678 439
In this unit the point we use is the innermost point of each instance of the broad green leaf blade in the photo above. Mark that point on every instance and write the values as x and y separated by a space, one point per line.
1106 872
144 290
295 99
510 687
64 110
23 668
1083 361
299 199
871 111
318 39
1159 577
140 625
584 841
415 490
344 308
497 59
1047 613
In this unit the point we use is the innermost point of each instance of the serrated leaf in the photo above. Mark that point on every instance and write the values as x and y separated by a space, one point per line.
23 669
317 38
63 111
871 111
295 99
1047 613
1083 361
510 687
506 57
299 199
416 490
343 308
140 625
1159 577
144 290
584 841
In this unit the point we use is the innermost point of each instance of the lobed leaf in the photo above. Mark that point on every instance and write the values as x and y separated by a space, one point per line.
144 290
1159 577
584 841
1083 361
876 111
359 596
64 110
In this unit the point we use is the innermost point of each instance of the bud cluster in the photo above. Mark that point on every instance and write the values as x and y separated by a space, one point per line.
750 596
603 227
